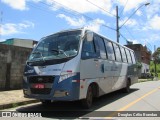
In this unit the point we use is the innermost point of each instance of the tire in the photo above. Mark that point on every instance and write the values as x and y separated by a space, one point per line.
87 102
127 88
46 102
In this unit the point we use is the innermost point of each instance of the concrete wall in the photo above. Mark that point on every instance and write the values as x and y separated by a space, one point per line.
12 62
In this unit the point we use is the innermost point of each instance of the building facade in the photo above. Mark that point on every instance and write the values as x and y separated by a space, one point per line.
143 56
27 43
13 55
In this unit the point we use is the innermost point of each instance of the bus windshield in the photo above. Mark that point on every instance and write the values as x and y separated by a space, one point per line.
57 46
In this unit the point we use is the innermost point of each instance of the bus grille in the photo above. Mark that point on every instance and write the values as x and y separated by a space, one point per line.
40 91
41 79
46 80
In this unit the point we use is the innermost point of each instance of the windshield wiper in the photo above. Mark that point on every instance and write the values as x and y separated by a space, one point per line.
30 62
37 52
60 52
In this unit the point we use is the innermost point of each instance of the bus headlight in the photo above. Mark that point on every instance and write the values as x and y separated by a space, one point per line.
65 76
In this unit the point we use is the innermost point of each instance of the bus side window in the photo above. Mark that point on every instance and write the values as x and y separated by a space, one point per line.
128 56
124 57
133 57
102 50
110 51
88 50
117 53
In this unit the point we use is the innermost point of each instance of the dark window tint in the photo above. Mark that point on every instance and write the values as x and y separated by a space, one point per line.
110 51
88 50
117 52
133 57
128 56
124 58
101 47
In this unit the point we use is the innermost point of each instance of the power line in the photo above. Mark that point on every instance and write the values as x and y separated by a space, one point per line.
35 6
100 8
45 10
134 37
89 18
147 43
70 10
129 32
40 8
134 13
123 37
123 8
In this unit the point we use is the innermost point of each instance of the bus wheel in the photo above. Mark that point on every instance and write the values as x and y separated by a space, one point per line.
127 88
46 102
87 102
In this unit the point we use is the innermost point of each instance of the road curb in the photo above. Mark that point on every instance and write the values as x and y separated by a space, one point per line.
15 104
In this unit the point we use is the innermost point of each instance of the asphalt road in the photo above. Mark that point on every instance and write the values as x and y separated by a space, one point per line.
144 97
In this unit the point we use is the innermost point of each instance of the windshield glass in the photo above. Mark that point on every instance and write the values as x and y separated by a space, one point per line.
57 46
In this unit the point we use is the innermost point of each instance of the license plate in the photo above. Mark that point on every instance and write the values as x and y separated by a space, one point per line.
39 86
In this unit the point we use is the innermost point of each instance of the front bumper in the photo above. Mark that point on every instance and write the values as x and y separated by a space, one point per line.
65 90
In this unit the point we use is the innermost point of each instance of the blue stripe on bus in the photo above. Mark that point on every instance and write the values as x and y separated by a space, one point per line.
67 85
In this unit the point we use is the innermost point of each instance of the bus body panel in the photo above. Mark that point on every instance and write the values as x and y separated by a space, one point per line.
69 80
58 91
120 75
88 75
58 88
44 70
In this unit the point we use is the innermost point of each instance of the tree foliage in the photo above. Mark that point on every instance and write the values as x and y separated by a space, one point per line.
156 55
152 67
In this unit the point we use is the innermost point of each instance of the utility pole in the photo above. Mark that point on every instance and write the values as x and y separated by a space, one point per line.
117 24
155 66
117 19
1 16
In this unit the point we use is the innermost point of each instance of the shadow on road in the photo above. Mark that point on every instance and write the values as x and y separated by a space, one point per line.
74 109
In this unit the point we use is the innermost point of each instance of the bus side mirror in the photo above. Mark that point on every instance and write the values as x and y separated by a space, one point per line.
89 36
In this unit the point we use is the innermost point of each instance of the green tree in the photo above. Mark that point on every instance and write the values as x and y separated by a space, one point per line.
152 70
156 55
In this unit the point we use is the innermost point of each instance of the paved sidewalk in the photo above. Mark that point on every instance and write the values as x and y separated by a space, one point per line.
13 98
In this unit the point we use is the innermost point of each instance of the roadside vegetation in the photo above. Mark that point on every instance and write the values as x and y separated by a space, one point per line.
144 80
152 69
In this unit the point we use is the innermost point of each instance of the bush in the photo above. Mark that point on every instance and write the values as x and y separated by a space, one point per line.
152 70
139 65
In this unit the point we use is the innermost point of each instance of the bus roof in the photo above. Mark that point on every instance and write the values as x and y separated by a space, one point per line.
87 29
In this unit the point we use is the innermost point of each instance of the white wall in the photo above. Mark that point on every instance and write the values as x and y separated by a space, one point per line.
23 43
144 68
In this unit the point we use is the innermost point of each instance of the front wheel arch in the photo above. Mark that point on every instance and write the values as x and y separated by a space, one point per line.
87 102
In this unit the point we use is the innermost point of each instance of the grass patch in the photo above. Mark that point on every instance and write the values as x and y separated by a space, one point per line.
15 105
146 80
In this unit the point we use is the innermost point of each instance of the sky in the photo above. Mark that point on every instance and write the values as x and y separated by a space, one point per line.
34 19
